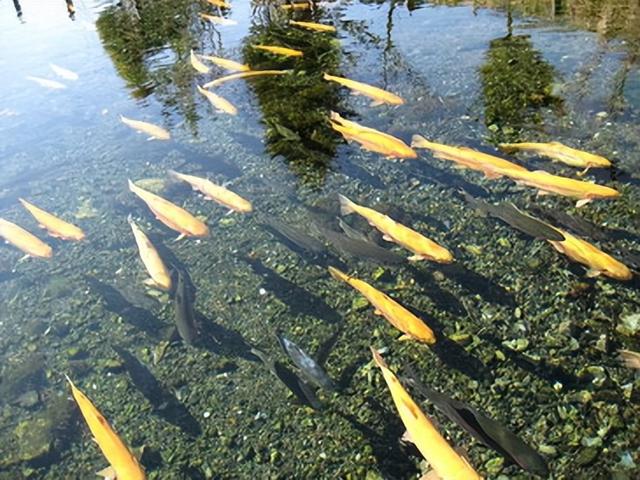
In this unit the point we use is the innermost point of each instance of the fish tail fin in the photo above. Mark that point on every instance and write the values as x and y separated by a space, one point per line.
508 147
326 76
378 358
418 141
338 274
174 175
132 186
130 220
346 205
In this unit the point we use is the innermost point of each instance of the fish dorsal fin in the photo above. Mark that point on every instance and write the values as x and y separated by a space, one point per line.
107 473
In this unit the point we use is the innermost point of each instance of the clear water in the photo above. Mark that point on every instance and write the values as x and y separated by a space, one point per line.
523 334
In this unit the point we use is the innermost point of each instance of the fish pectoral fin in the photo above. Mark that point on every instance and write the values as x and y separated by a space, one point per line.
405 337
150 282
492 175
377 312
583 202
593 273
386 237
415 258
180 237
107 473
542 193
376 103
230 211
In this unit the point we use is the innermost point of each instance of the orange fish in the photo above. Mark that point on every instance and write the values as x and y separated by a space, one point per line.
124 465
53 225
170 214
246 74
23 240
215 192
160 276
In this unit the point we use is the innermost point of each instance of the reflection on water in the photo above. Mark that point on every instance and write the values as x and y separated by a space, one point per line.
525 338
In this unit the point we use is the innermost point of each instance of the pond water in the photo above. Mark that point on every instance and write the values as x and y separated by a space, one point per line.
523 334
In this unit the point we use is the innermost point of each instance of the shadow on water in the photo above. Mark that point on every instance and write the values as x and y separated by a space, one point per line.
299 300
424 172
164 403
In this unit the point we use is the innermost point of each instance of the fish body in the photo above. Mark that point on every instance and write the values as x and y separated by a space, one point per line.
246 74
219 3
218 20
296 6
598 262
63 72
446 462
124 464
154 131
23 240
287 52
567 187
296 236
218 102
422 247
151 259
170 214
398 316
53 225
317 27
197 63
215 192
561 153
307 365
183 309
351 232
227 64
465 157
372 139
46 83
378 95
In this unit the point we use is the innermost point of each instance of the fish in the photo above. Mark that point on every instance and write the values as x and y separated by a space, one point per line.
371 139
307 365
597 262
422 247
214 192
547 183
219 3
123 464
218 20
351 232
227 64
287 52
296 236
154 131
53 225
171 215
513 216
160 276
556 151
219 103
378 95
466 157
575 224
247 74
410 325
446 462
184 315
630 359
24 240
46 83
486 430
318 27
296 6
63 72
197 63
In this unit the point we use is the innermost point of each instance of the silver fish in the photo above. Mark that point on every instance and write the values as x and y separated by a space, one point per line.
307 365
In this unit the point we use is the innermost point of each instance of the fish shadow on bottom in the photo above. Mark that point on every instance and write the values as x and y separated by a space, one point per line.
476 283
222 340
442 299
165 405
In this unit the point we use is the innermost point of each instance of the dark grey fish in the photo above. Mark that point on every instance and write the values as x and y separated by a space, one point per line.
577 225
359 248
307 365
296 236
512 215
351 232
295 384
184 298
485 430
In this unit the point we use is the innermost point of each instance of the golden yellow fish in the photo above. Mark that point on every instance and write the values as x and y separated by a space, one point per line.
296 6
287 52
124 464
598 262
630 358
467 157
170 214
217 20
227 64
197 64
160 276
145 127
398 316
23 240
444 460
371 139
219 3
378 95
53 225
422 247
546 183
562 153
215 192
318 27
218 102
247 74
